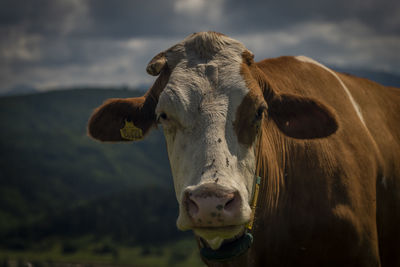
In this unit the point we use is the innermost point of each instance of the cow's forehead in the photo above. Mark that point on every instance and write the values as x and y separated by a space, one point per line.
204 47
205 71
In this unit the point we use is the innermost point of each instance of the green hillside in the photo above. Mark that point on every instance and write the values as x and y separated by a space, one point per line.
48 163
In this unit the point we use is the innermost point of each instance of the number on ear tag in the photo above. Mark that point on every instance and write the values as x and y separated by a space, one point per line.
131 132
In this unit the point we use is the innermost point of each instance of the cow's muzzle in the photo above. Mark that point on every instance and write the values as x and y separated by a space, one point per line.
214 212
213 206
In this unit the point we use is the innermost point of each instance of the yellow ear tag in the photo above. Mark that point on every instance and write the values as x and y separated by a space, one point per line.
131 132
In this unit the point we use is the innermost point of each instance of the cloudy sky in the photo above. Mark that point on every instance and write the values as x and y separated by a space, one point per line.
49 44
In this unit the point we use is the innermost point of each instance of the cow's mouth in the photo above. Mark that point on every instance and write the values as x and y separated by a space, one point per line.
214 237
225 249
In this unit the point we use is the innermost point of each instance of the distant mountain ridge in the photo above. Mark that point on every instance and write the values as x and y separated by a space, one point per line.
384 78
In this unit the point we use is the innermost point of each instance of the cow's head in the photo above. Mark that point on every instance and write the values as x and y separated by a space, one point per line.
211 101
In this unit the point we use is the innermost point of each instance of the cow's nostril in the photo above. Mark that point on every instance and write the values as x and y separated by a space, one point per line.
192 207
230 204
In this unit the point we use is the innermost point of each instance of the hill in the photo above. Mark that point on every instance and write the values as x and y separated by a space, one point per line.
48 163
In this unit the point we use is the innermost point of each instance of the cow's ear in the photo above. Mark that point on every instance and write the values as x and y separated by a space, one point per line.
301 117
128 119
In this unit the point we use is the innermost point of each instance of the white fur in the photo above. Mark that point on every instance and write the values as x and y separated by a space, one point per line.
353 102
201 100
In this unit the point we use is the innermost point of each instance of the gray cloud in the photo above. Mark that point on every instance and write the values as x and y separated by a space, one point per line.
50 43
346 44
125 19
382 16
43 17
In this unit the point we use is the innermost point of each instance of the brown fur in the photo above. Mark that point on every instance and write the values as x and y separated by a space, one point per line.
323 202
247 123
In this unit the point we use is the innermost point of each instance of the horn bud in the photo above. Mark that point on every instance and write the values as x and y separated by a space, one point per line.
248 57
156 64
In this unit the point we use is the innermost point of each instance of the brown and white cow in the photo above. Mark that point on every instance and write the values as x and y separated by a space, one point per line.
325 144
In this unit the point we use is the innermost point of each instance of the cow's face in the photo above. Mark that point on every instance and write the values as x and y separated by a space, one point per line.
211 101
202 115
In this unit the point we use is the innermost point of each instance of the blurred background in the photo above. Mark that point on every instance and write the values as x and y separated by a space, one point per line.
66 199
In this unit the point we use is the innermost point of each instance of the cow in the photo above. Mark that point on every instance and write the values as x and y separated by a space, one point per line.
282 162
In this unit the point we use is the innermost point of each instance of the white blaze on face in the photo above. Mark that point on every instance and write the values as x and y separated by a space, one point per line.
197 110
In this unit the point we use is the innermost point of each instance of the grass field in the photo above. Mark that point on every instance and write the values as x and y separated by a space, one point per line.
104 253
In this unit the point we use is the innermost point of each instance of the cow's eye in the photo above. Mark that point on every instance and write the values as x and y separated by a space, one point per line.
260 112
162 117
